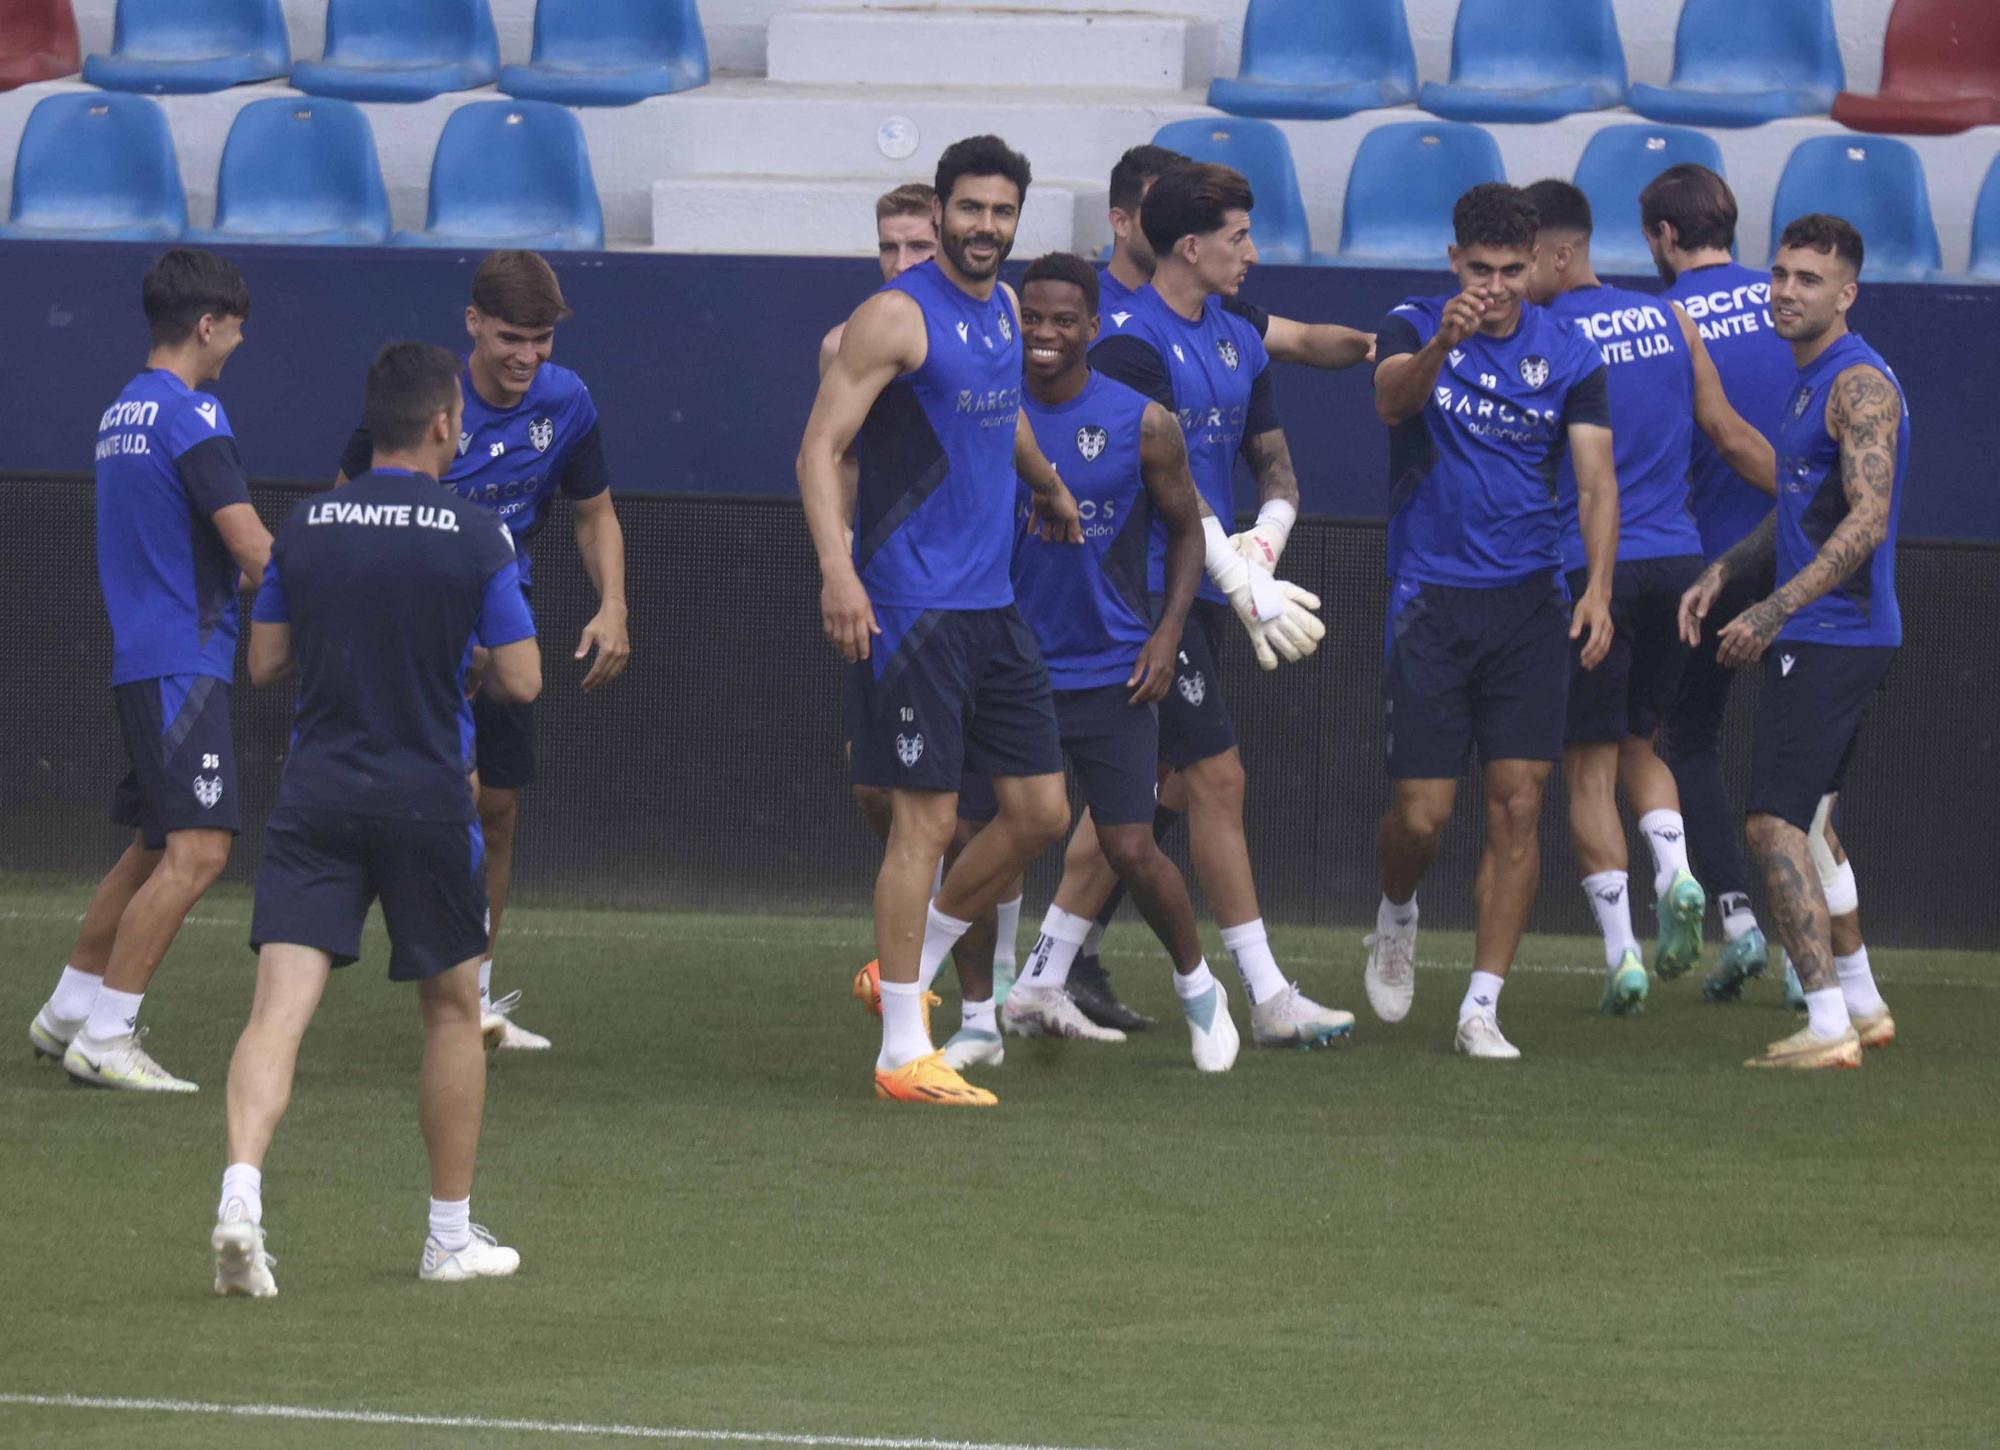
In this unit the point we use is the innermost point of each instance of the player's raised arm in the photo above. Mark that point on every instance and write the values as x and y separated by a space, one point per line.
1318 344
1403 383
1743 448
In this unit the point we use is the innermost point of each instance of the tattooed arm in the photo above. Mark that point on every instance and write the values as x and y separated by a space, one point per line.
1755 550
1863 415
1270 460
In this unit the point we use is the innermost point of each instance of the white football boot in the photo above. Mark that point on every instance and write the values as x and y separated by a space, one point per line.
1391 978
483 1257
50 1036
1479 1036
242 1264
970 1047
120 1062
498 1027
1213 1035
1049 1012
1292 1019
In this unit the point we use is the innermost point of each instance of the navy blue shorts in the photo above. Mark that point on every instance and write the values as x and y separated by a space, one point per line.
322 870
1809 715
503 741
1194 718
1633 685
976 800
1114 747
183 754
1473 666
958 691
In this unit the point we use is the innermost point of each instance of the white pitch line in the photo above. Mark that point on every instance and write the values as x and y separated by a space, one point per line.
313 1415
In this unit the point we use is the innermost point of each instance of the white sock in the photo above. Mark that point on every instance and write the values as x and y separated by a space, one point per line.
1391 917
1054 951
904 1039
74 995
241 1181
1251 947
1612 904
1093 939
113 1014
1738 920
1857 984
940 933
1666 833
1482 997
451 1223
1192 986
978 1016
486 984
1004 945
1827 1012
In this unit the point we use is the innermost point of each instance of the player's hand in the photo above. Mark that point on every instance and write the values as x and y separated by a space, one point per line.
1055 516
847 616
1695 604
1462 316
1590 621
606 634
1286 615
1153 673
1369 356
1745 638
1261 546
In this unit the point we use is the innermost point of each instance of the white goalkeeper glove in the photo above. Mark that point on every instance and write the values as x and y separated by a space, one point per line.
1277 615
1264 542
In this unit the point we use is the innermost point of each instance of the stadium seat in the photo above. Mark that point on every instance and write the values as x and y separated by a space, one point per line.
1878 185
1742 65
611 52
1400 192
1986 227
175 47
1320 59
300 171
99 166
402 50
1538 62
1616 166
37 42
1940 71
511 174
1258 150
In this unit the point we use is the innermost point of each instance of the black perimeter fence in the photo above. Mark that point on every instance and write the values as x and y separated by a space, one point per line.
711 776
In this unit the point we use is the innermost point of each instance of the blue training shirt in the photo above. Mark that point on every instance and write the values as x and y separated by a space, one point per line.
1812 502
1089 607
166 463
515 460
1649 378
934 507
1730 305
1114 307
1213 375
387 584
1472 477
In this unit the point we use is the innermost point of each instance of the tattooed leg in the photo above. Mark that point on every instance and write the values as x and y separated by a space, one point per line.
1797 904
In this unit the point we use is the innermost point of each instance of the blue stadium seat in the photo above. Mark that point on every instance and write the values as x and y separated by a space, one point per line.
1258 150
174 47
611 52
1878 185
97 165
1405 180
1319 59
402 50
1986 227
1743 65
1530 62
300 171
1616 166
511 174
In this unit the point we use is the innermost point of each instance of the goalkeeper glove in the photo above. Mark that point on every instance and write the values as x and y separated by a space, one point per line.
1264 542
1286 615
1231 574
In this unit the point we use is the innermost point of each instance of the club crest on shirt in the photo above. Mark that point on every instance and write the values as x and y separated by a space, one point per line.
1226 350
1006 327
909 749
1534 371
208 790
541 433
1090 442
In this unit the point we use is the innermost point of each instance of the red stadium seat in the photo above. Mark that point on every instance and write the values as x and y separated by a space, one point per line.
1940 71
37 42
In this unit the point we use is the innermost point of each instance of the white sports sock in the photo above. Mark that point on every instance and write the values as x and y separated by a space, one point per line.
1857 983
1827 1012
904 1039
1005 944
1482 997
1612 903
1054 951
1738 920
1391 917
978 1016
486 984
241 1180
113 1014
1251 947
1190 986
1093 939
74 995
451 1223
940 933
1666 833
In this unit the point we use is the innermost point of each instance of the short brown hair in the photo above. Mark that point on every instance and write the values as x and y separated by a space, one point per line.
1818 232
1191 199
519 287
1697 202
912 198
409 383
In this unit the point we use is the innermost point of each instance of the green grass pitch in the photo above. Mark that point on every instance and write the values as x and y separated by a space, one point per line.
1624 1240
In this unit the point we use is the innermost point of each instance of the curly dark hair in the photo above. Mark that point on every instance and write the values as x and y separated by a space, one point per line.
981 156
1064 267
1818 232
1494 214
